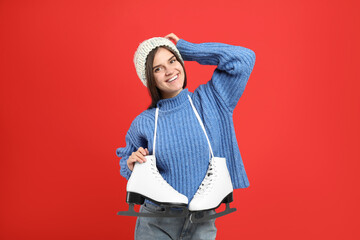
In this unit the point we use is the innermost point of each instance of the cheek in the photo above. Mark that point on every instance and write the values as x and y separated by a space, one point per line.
158 80
156 77
181 69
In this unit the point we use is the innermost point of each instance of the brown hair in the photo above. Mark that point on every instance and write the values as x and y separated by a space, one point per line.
154 91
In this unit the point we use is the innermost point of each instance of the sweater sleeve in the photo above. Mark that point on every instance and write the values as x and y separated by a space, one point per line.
133 142
234 66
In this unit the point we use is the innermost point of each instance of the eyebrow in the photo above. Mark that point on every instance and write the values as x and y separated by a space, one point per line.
160 64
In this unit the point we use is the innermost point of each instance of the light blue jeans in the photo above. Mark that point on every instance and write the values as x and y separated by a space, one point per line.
162 228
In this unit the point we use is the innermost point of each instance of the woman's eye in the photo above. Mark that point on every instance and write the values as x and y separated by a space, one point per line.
157 69
173 60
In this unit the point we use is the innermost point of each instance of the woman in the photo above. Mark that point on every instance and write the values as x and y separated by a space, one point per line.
182 150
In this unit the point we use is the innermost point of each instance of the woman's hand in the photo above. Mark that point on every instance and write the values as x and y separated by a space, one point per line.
137 156
173 37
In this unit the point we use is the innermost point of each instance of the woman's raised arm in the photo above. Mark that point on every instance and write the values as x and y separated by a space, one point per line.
234 66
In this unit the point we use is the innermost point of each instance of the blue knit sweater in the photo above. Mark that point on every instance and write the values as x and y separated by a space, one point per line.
182 151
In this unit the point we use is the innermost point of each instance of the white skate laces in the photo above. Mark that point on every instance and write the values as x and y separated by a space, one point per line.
156 173
206 184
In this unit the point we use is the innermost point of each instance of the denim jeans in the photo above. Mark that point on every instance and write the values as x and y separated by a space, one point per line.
161 228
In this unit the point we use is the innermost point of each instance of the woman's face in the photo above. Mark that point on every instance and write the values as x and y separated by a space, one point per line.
168 73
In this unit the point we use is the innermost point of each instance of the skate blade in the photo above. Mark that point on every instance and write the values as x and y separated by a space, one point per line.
132 213
203 218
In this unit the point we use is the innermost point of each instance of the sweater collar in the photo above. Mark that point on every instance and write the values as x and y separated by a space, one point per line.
171 103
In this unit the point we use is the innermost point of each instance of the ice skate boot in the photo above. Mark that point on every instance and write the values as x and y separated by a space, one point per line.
146 182
215 189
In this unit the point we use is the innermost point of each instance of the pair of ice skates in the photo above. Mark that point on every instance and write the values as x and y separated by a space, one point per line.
146 182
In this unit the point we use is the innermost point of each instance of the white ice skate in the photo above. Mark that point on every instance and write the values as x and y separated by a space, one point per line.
216 188
146 182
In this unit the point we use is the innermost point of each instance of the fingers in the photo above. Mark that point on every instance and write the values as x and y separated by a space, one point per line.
173 37
132 159
142 150
169 35
137 156
140 157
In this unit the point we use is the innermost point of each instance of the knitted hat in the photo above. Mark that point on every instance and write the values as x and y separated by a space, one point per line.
145 48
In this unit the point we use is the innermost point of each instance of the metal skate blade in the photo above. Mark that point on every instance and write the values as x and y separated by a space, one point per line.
203 218
166 213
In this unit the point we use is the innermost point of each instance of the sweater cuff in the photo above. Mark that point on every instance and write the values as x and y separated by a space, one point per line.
185 48
126 172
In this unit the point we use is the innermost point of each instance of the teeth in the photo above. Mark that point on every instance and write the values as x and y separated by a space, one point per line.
172 79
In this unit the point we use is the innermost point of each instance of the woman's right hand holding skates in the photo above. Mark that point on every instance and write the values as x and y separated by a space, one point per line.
137 156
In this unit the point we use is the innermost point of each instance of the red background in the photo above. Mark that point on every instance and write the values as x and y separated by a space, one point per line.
69 92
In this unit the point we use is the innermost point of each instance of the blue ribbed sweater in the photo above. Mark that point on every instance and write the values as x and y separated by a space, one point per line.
182 151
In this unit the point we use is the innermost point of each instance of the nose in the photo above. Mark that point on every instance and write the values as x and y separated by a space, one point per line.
169 71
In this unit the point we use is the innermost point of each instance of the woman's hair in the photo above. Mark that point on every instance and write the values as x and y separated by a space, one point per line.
154 92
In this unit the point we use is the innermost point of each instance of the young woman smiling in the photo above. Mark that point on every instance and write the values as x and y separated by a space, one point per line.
182 150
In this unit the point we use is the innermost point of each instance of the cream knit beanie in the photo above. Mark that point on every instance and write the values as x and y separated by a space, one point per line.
145 48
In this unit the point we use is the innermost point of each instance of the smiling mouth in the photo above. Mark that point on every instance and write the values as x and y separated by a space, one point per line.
173 78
